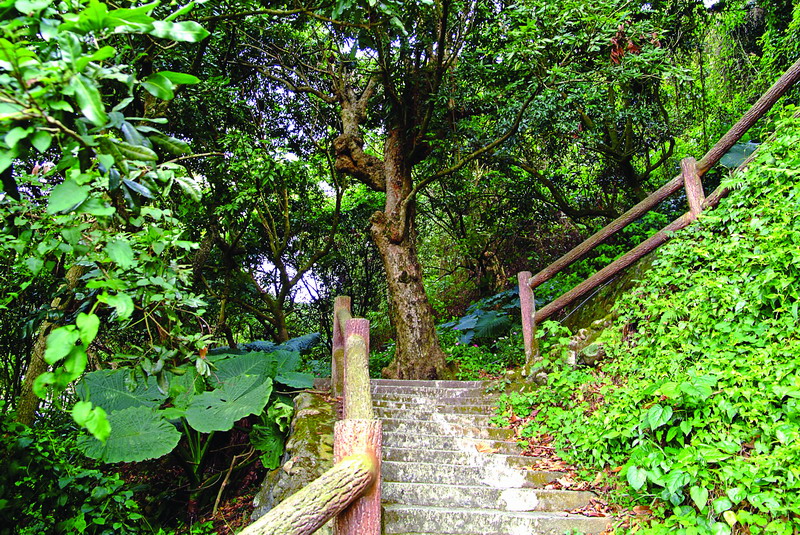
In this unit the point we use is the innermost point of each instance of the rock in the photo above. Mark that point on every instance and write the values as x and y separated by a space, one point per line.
309 453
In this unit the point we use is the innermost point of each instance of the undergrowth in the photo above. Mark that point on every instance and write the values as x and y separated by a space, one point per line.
697 405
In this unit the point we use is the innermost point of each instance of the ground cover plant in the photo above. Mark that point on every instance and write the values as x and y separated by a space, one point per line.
697 404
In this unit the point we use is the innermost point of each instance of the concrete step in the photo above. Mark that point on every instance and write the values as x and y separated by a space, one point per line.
446 398
469 405
466 458
475 420
433 384
457 474
427 427
437 442
483 497
429 391
402 519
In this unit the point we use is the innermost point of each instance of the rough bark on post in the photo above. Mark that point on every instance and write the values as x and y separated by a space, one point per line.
694 187
337 356
528 308
357 398
363 517
308 509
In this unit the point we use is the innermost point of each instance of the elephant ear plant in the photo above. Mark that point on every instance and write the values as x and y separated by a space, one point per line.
151 418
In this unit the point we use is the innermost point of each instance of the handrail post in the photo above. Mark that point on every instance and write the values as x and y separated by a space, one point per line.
527 306
353 437
337 347
693 185
359 432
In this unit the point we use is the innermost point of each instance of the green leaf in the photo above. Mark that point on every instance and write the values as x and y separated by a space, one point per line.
281 413
66 196
637 477
658 415
121 302
89 100
42 140
121 253
699 497
173 145
96 207
59 343
88 325
15 135
74 365
220 409
93 419
180 78
136 152
114 390
137 434
250 364
191 187
268 439
138 188
187 31
31 6
42 382
295 379
34 264
159 86
721 504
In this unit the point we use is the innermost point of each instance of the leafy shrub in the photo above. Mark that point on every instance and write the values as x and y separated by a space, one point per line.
148 416
699 402
477 362
46 488
487 319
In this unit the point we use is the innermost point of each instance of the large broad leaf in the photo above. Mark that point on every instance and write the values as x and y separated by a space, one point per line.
258 345
239 397
137 434
114 390
183 388
483 324
738 154
301 343
255 363
285 372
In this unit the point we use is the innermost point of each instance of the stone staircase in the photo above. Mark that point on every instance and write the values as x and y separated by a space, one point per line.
445 471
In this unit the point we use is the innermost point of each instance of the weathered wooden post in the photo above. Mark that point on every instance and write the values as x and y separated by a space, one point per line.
341 303
528 307
359 432
693 185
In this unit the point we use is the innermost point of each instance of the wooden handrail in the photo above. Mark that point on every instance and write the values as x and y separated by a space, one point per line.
690 179
711 158
351 490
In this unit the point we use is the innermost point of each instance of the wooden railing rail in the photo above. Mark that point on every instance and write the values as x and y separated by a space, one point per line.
690 179
351 490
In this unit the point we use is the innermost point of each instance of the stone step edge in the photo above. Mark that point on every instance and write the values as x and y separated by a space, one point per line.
534 515
483 458
541 495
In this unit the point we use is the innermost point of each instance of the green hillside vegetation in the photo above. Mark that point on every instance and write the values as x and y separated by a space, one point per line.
698 399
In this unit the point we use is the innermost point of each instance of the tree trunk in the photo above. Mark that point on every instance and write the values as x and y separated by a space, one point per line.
418 353
28 402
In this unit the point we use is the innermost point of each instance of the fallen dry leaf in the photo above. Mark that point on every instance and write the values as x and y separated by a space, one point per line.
482 447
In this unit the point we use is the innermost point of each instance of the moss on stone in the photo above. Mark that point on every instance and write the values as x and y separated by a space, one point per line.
309 453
